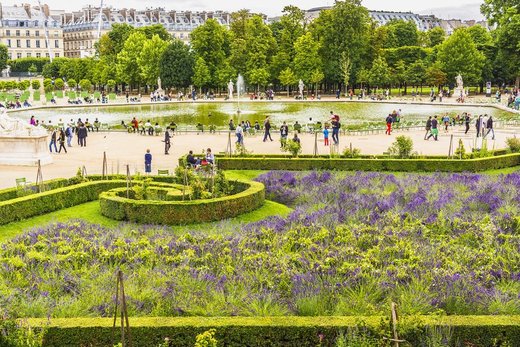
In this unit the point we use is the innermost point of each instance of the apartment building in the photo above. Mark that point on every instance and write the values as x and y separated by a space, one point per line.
81 28
23 31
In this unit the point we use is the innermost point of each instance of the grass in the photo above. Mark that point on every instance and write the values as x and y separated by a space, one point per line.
244 174
90 212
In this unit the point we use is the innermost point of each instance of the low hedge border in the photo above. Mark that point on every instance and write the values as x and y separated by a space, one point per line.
362 164
13 193
270 331
251 196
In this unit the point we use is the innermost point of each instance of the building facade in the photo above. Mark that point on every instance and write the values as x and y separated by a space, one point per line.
23 30
81 28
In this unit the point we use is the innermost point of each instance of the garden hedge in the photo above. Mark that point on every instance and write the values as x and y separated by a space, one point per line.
53 200
250 196
271 331
13 193
365 164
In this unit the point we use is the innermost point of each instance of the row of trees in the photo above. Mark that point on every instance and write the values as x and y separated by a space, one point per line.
342 47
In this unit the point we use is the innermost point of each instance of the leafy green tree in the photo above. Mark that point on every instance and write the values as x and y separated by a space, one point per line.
399 75
32 69
346 68
52 70
402 33
380 72
176 65
416 73
128 68
238 38
3 56
226 73
436 36
24 85
259 77
316 77
260 47
59 84
363 76
307 59
35 84
111 43
150 59
85 85
344 28
201 74
110 85
288 78
459 55
480 35
47 85
435 76
208 41
72 83
157 29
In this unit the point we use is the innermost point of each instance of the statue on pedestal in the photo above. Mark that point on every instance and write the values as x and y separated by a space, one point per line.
301 85
230 89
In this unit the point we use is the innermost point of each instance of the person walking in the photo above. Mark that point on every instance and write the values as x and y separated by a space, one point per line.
467 121
53 141
335 128
267 129
428 127
478 124
446 121
62 141
489 127
435 131
389 121
284 132
148 162
167 143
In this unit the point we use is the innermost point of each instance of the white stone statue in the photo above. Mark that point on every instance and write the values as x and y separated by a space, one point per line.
11 126
460 82
459 91
7 71
159 86
301 85
230 89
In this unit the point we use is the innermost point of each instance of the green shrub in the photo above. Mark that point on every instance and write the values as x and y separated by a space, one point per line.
59 84
35 84
514 144
293 147
460 152
250 196
354 153
72 83
402 147
206 339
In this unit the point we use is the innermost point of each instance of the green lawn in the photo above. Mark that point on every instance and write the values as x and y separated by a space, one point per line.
91 213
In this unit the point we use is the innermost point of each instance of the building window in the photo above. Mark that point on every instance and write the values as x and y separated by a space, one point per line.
56 34
27 33
17 32
29 55
18 43
37 33
18 55
28 43
8 33
37 43
38 55
56 44
8 42
56 55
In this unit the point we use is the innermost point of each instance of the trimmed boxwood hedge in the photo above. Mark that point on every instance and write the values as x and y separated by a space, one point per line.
13 193
363 164
53 200
250 197
270 331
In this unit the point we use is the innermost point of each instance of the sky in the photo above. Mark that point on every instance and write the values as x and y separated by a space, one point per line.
465 9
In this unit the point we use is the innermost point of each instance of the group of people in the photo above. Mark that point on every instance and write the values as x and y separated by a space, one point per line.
392 120
483 124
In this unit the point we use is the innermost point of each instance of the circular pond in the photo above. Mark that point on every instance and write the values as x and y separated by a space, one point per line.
219 113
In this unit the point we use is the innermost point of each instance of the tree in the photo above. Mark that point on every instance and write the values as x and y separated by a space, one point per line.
176 65
380 72
59 84
35 84
307 59
24 85
157 29
259 76
346 67
32 69
344 28
201 74
111 43
72 83
128 68
208 42
416 73
47 85
150 59
316 77
435 76
85 85
363 76
399 75
459 55
260 47
401 33
110 85
288 78
3 56
436 36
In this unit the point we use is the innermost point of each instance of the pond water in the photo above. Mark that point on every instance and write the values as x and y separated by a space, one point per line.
358 114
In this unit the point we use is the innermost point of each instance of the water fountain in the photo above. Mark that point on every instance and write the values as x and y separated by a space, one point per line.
22 143
240 89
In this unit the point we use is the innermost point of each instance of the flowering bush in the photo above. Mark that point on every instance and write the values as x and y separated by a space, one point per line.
431 243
